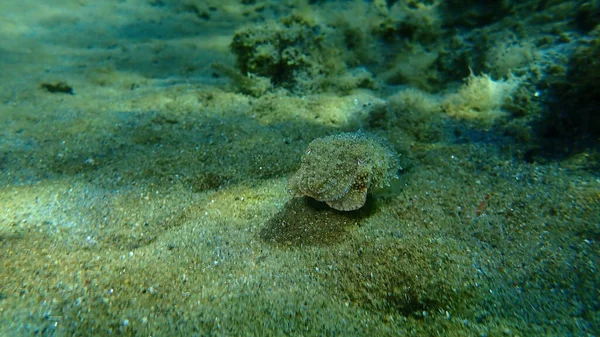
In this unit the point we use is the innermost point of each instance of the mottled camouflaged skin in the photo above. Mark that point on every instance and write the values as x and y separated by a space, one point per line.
340 169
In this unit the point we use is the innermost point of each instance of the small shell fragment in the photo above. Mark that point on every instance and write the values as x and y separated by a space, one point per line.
340 169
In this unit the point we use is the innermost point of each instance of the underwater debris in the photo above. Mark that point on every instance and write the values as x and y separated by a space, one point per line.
340 169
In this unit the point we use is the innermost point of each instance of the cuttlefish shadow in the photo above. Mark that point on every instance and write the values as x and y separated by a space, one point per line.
305 221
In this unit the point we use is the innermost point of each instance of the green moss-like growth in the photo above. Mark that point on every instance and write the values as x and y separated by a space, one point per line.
417 114
296 54
287 52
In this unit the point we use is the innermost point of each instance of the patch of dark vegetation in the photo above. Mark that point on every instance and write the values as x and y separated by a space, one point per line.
572 123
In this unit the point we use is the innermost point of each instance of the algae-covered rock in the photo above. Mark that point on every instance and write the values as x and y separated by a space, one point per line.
285 52
297 54
340 169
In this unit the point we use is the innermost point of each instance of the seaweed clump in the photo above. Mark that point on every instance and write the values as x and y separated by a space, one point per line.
340 169
481 99
293 53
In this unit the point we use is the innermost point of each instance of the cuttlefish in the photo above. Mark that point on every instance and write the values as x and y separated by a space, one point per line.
340 169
